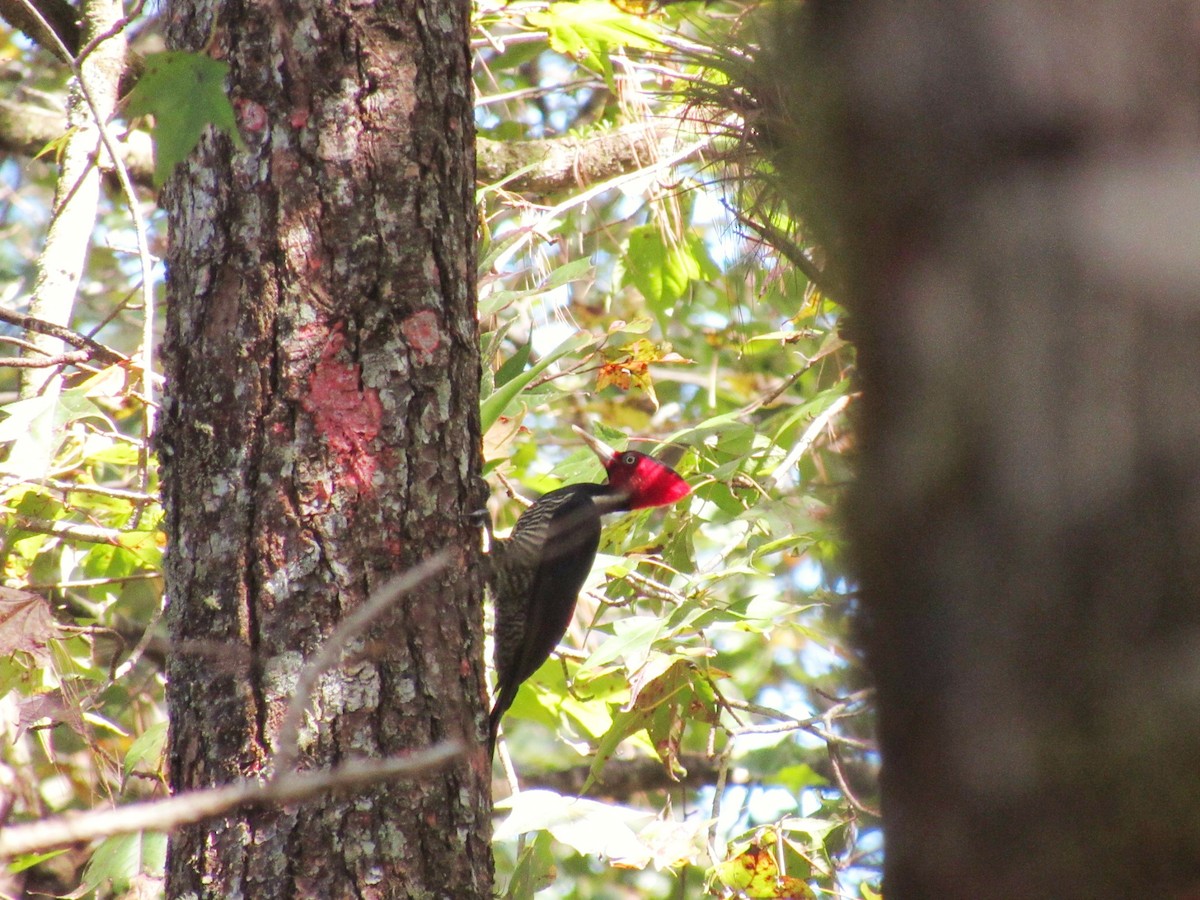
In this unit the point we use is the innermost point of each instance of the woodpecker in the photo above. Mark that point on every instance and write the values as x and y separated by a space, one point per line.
538 571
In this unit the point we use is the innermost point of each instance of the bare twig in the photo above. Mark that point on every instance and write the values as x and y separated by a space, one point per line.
92 582
140 648
718 796
24 345
811 433
779 239
835 760
70 487
548 219
52 24
71 357
333 650
99 352
536 91
89 534
820 725
500 42
624 778
653 589
774 393
195 806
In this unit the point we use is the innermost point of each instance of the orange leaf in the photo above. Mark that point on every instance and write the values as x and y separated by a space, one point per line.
612 373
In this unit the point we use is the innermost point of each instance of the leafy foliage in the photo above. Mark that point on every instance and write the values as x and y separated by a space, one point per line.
717 629
713 638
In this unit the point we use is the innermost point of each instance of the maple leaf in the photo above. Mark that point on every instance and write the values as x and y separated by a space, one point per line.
26 623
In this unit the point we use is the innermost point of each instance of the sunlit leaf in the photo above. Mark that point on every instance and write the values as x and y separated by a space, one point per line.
495 405
185 92
589 30
661 270
756 875
589 826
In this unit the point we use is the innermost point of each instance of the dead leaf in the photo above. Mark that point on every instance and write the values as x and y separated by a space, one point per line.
26 623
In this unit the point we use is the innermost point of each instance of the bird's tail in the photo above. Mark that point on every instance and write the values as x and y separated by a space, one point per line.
503 701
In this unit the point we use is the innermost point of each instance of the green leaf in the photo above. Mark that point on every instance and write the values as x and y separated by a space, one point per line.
798 777
21 863
147 746
535 869
514 365
185 92
20 416
588 31
119 859
494 406
635 635
575 270
662 271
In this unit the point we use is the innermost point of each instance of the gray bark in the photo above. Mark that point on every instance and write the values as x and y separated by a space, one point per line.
320 434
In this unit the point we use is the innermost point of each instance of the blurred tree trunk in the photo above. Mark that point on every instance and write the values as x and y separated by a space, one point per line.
1014 192
320 435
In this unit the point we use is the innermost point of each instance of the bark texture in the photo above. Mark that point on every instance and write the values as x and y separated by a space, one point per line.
1014 188
320 435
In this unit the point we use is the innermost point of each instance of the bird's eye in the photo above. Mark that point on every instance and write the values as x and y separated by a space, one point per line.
629 459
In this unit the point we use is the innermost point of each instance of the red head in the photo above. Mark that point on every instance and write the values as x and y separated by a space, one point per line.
643 478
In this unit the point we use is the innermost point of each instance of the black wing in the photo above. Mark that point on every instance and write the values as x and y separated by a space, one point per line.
541 569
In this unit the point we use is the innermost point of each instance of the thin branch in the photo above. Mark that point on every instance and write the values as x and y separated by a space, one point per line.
820 725
61 262
334 649
774 393
24 345
550 166
92 582
53 24
548 218
69 487
623 778
113 30
832 737
71 357
27 128
196 806
139 230
536 91
781 241
718 796
140 648
835 760
811 433
100 352
501 42
88 534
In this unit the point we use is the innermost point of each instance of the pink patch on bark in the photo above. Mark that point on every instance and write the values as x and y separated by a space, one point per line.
421 331
346 414
251 116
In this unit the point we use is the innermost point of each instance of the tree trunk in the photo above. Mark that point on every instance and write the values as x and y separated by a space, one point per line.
320 435
1015 189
